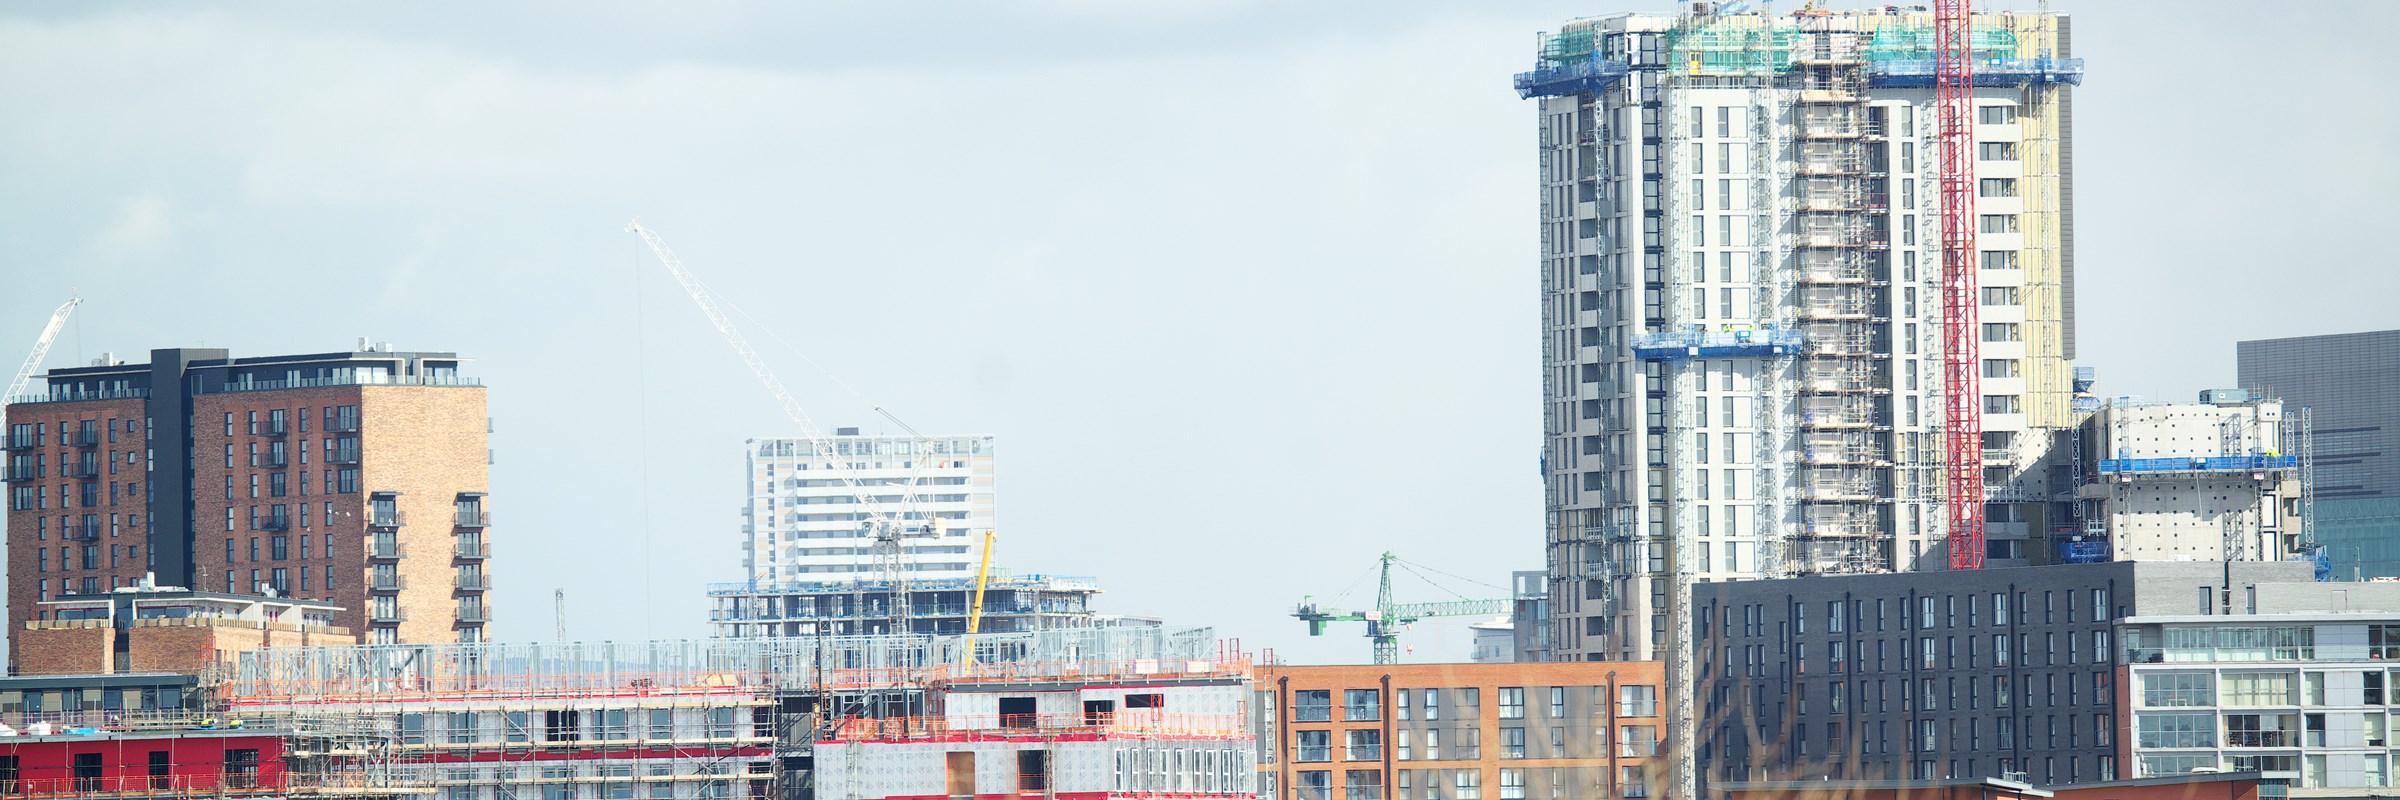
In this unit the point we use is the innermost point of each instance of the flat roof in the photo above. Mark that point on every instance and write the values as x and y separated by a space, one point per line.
1853 785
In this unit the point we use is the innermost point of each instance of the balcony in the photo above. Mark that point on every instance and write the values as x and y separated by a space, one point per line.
342 425
467 518
80 469
273 524
346 455
386 583
20 442
89 437
381 550
386 518
86 530
473 551
473 615
22 473
272 461
386 616
274 429
475 583
2262 738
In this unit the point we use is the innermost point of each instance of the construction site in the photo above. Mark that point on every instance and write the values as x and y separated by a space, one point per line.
1058 712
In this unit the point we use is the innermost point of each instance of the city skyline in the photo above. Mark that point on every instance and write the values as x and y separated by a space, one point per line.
1343 337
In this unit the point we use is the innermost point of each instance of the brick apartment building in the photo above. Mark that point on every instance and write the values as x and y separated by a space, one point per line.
1460 731
355 478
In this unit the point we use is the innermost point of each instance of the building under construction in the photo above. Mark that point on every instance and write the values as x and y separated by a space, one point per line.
1743 300
170 755
1011 603
792 718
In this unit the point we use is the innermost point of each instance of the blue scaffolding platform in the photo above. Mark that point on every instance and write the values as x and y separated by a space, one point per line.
2082 552
1679 345
1988 72
2112 466
1584 76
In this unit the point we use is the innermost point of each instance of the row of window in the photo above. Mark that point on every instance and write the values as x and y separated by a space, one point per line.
1443 784
2255 689
337 419
573 725
32 498
1365 705
1932 611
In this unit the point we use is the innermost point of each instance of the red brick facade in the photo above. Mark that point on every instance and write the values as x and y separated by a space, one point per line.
48 541
425 446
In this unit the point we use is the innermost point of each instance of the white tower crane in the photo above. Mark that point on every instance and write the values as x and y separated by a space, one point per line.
890 528
41 348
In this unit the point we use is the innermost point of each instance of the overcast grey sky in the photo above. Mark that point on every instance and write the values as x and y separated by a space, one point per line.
1246 290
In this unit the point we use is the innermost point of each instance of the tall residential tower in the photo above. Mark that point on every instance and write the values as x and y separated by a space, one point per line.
1741 301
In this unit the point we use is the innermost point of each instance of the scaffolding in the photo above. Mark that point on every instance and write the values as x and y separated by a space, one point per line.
254 758
469 670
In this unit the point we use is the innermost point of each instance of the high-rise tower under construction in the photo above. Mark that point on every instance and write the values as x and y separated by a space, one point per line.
1741 301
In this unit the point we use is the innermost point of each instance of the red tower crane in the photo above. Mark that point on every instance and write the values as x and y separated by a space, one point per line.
1962 363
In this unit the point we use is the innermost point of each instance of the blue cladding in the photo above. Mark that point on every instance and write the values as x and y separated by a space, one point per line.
1988 72
1679 345
2224 464
1571 77
2082 552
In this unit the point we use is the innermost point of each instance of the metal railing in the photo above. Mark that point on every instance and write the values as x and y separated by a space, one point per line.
475 583
473 550
79 437
22 473
1061 724
383 550
473 519
377 518
387 583
347 380
475 614
80 469
63 395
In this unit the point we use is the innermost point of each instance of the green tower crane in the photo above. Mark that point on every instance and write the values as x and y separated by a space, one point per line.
1388 618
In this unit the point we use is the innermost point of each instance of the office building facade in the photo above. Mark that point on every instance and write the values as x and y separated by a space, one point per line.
2348 386
1741 300
2035 670
356 478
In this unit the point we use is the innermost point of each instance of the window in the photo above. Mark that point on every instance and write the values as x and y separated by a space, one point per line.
1512 702
1558 701
1512 742
1312 746
1400 703
1999 223
662 723
1637 701
1996 115
1362 784
1512 784
1362 705
1314 705
1996 151
1433 704
1469 784
1999 296
2242 689
2001 404
1996 187
2000 368
1999 259
2001 332
2176 730
1362 744
460 727
1637 740
562 726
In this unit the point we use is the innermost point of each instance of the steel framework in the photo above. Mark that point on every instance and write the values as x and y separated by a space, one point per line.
1962 362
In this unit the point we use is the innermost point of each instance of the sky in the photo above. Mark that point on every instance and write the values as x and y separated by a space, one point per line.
1247 291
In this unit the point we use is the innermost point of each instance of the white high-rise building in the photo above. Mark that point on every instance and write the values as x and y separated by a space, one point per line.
1741 301
805 522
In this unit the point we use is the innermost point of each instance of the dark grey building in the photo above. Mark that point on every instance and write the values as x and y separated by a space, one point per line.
2350 383
1937 675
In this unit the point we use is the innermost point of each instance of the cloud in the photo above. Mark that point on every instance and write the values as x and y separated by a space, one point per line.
144 227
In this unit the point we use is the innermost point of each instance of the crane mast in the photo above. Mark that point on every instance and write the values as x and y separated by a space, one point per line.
887 527
41 348
1954 118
